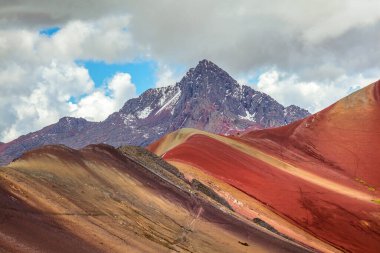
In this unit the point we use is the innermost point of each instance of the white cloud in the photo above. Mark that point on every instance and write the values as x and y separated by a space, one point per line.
44 101
243 35
98 105
39 74
104 39
289 89
94 107
348 17
166 76
49 100
121 88
246 35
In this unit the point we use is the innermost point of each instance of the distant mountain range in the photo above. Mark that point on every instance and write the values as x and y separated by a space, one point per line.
207 98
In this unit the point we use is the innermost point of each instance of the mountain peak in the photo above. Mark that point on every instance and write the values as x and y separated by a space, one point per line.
206 98
208 66
206 63
208 75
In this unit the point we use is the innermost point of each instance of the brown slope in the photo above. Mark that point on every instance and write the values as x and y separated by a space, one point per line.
101 199
23 225
321 174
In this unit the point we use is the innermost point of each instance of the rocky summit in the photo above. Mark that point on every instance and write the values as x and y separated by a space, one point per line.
207 98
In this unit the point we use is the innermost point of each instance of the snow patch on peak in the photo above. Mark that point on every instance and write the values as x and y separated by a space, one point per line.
286 112
128 119
144 113
248 116
171 102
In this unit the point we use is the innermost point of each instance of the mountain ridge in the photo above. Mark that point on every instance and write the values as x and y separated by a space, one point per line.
320 172
105 199
193 102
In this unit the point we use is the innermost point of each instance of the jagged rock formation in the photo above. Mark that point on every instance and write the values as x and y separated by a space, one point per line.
207 98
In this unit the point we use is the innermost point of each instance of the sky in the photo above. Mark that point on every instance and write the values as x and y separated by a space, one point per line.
86 58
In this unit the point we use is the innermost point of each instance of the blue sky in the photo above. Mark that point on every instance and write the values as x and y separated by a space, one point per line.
142 72
49 31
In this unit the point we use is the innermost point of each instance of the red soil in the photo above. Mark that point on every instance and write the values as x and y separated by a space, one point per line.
340 144
98 199
345 135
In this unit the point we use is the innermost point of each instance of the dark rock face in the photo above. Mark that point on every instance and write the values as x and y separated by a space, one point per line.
293 113
199 186
206 98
